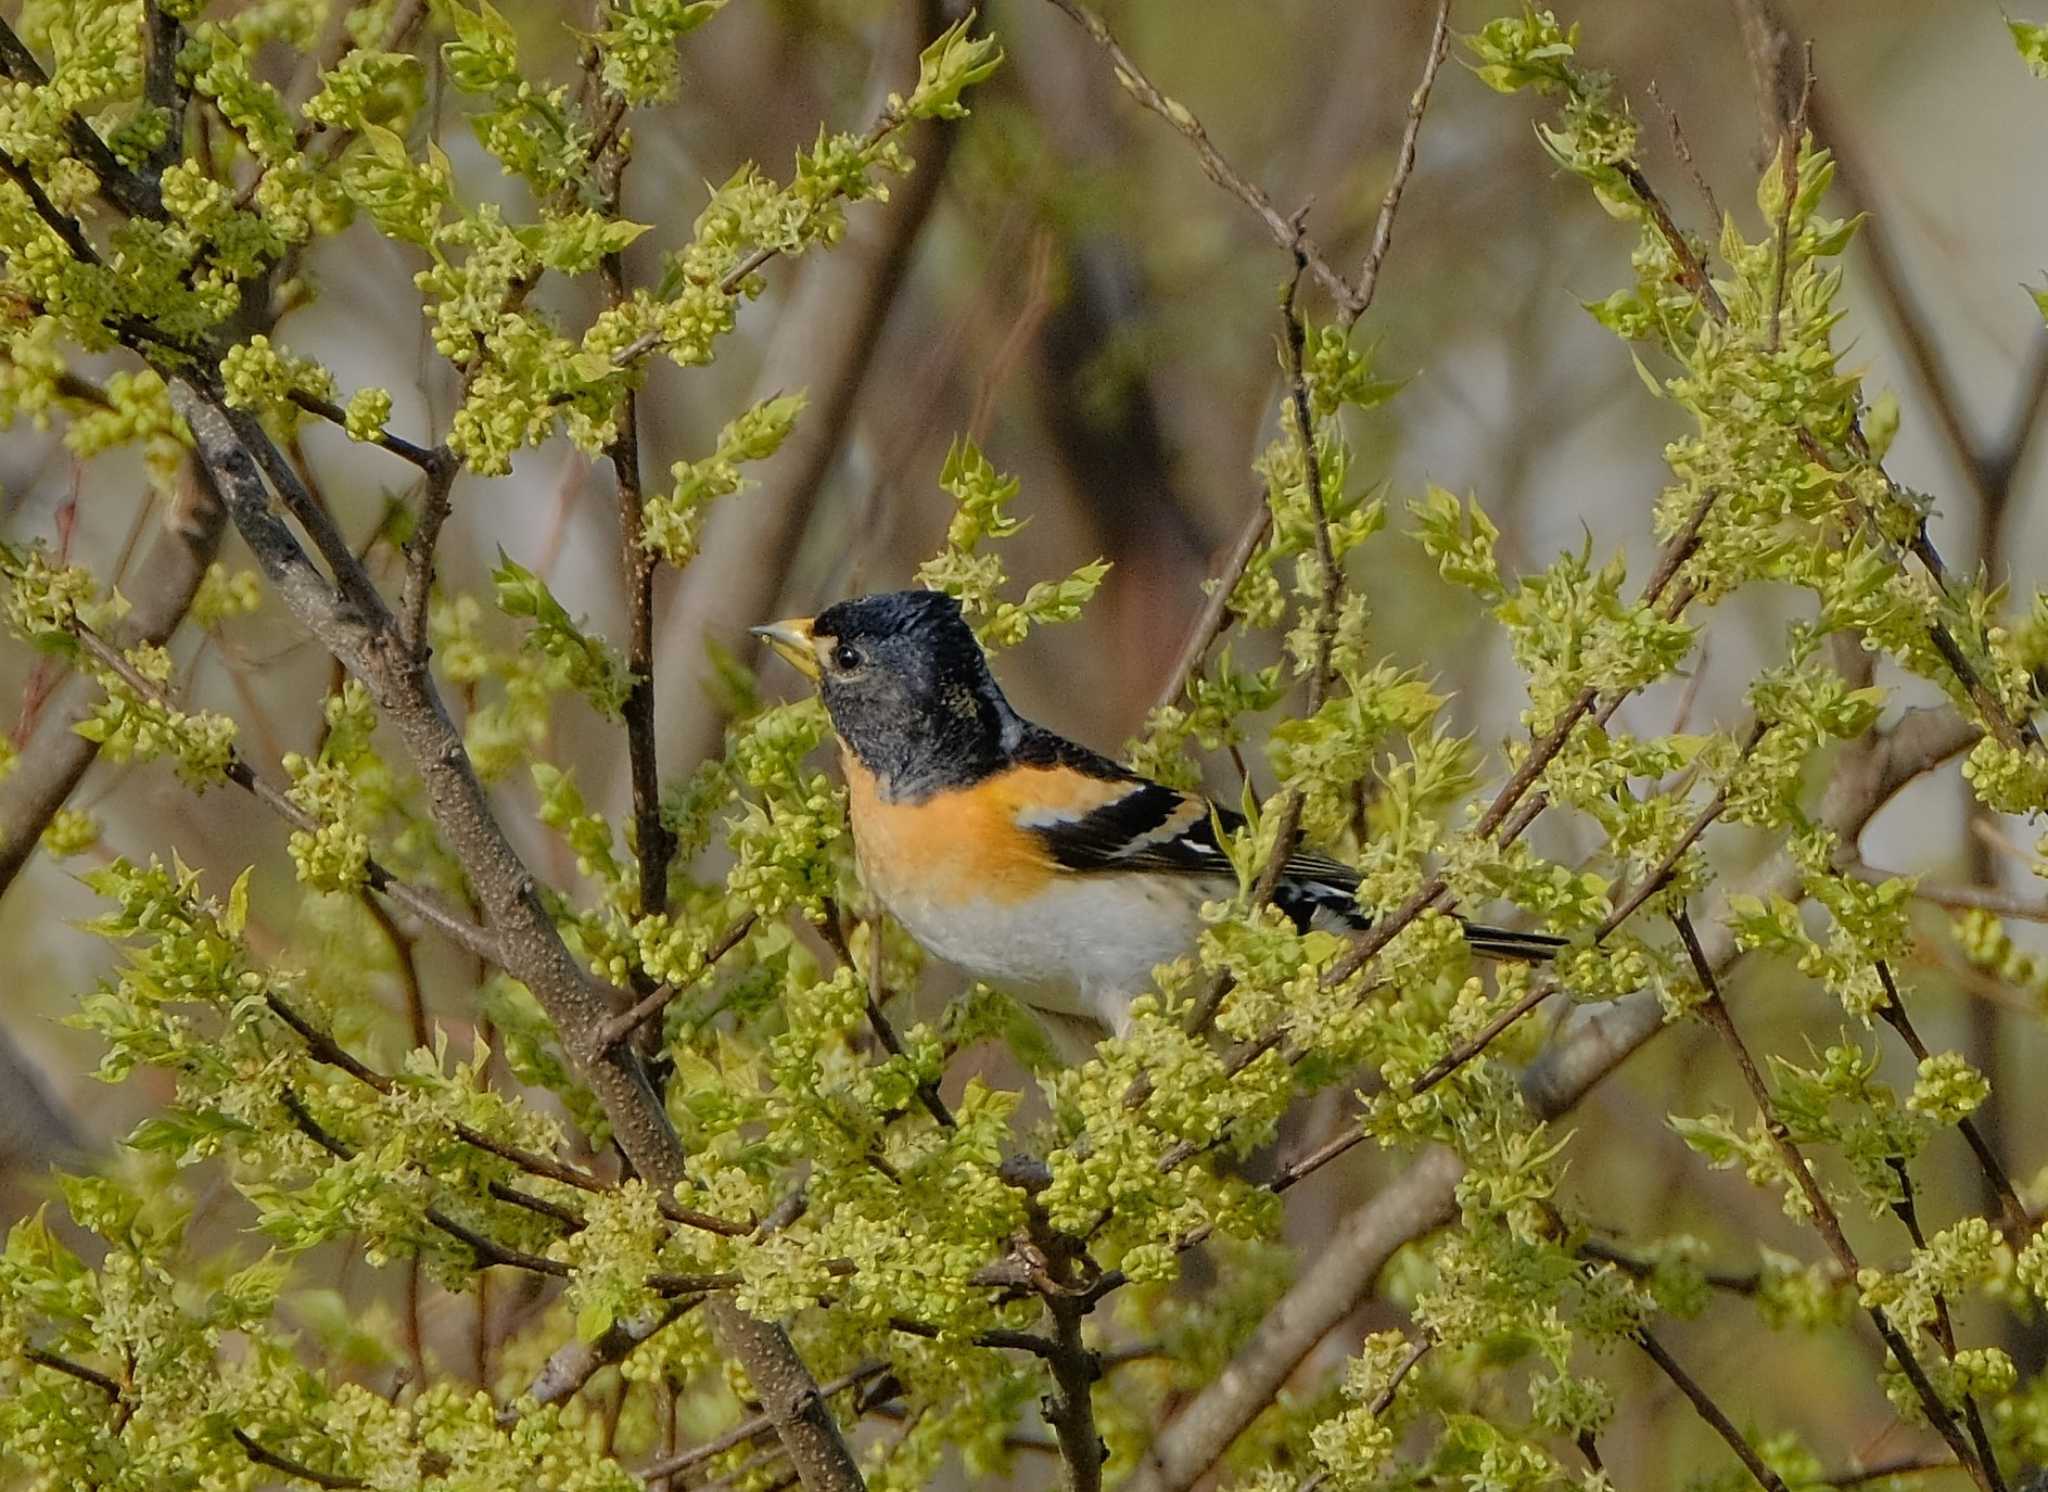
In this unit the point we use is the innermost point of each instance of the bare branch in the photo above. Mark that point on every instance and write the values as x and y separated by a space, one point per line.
659 1000
264 1457
1368 283
1214 166
1710 1412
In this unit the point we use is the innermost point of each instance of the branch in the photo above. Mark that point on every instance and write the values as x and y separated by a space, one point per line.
1710 1412
1071 1411
1423 1197
1404 166
656 1001
1643 1269
1287 833
366 639
571 1367
1419 1201
1962 898
73 1369
2017 1221
1501 816
1692 273
124 188
885 1033
652 842
1215 616
427 907
1651 884
1214 166
1821 1211
53 761
275 1462
748 1429
163 37
325 1048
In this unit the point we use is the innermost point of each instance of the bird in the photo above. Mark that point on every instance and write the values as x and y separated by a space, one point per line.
1022 858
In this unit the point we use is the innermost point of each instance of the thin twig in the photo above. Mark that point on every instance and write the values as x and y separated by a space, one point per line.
1693 274
1368 282
1496 818
464 934
73 1369
264 1457
1651 884
747 1429
1214 166
1820 1210
2019 1223
1643 1269
1683 150
653 843
652 1004
1965 898
1710 1412
1902 1466
1384 1399
1215 617
1288 831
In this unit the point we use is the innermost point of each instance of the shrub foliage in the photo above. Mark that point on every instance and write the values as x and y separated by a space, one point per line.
760 1242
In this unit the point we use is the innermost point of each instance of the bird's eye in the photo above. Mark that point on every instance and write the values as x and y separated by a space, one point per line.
847 657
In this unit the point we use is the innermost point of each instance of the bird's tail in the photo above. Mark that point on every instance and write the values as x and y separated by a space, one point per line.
1520 947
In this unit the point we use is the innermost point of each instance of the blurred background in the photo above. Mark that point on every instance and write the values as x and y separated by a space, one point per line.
1059 280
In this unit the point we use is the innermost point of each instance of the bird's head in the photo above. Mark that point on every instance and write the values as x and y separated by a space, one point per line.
907 686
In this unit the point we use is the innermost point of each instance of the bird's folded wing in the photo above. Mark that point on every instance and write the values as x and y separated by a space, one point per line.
1157 828
1162 830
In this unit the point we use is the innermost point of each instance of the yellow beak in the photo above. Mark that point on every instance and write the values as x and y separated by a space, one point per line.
793 640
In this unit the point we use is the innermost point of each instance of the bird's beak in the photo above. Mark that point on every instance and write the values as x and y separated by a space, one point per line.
793 640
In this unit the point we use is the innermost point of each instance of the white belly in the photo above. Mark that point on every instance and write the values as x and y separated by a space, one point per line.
1083 946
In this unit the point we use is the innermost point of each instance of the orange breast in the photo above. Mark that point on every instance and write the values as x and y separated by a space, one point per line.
964 844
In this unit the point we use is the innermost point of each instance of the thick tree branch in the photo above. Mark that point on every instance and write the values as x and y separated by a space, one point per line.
1072 1408
366 638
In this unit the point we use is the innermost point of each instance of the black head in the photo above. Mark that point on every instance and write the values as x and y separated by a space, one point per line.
908 688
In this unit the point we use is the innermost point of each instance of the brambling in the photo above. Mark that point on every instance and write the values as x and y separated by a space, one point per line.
1021 857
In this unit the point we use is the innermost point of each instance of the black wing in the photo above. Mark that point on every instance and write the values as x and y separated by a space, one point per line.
1161 829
